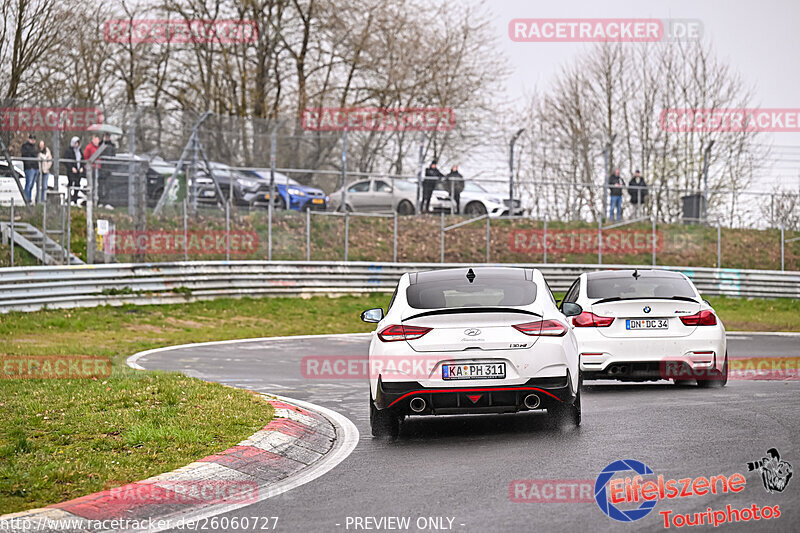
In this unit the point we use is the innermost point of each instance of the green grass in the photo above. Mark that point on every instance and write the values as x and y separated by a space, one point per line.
61 439
65 438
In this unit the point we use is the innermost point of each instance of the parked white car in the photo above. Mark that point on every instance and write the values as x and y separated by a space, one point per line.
471 340
9 189
476 200
643 325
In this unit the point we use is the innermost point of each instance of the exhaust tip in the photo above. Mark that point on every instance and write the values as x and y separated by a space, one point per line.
531 401
417 404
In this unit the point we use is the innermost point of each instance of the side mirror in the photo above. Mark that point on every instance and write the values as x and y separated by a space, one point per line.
372 315
571 309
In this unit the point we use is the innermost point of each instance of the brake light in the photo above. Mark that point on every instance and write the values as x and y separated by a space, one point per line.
400 333
548 328
703 318
591 320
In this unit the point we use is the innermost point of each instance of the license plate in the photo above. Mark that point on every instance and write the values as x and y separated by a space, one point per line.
648 323
209 194
474 371
317 200
266 196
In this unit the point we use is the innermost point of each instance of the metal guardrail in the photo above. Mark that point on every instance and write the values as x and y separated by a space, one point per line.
33 288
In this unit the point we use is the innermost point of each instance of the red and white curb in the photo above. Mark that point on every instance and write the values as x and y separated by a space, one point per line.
302 442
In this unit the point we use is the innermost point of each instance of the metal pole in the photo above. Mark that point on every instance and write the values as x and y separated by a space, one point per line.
269 229
719 245
11 236
185 232
442 239
132 205
228 230
44 218
344 174
488 239
346 233
421 170
511 172
89 214
308 234
600 242
607 164
69 225
544 240
782 247
394 240
705 180
653 219
63 221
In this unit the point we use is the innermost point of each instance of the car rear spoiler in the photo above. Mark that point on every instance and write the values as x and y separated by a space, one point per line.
465 310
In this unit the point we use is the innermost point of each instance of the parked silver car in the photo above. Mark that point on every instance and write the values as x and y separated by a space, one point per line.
476 201
383 195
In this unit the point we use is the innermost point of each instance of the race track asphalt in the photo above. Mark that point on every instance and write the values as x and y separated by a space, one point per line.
454 473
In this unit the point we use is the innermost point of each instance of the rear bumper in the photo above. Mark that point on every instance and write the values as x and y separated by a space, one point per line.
473 399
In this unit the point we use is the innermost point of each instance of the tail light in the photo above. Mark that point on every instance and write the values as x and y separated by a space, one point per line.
703 318
402 333
548 328
591 320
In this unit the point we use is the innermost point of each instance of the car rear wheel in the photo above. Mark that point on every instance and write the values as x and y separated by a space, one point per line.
569 413
405 208
475 208
717 379
383 422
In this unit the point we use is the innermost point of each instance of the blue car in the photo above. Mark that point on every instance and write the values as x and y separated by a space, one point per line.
291 194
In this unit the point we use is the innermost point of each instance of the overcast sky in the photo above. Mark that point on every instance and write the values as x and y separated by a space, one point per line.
758 38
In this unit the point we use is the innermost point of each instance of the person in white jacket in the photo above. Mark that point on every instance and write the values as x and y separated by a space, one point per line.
45 164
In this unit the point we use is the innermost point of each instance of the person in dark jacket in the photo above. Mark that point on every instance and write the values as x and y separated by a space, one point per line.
615 186
30 163
456 181
74 165
432 177
637 188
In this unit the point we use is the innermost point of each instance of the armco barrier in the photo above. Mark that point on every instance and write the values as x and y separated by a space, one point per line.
32 288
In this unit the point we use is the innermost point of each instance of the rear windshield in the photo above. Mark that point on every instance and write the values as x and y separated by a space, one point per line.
461 293
643 287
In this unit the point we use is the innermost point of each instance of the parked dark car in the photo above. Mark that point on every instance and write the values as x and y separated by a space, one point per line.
246 190
291 194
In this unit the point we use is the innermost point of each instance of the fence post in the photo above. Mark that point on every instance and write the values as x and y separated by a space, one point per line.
228 230
63 225
269 226
783 242
488 239
600 242
11 236
394 243
346 233
719 245
544 240
69 225
442 239
89 214
308 234
185 232
653 219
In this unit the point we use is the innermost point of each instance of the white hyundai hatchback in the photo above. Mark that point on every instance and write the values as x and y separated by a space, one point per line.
644 325
471 340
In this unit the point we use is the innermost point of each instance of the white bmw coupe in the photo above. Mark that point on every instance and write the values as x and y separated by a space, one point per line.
472 340
644 325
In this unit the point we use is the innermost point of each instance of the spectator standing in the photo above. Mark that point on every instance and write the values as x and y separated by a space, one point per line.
103 174
45 164
637 188
74 165
30 164
432 177
456 186
91 148
615 185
